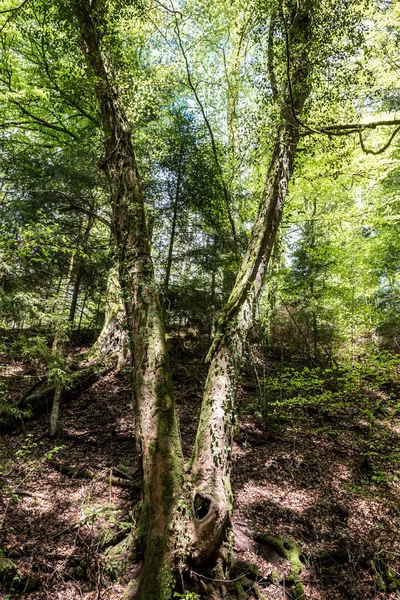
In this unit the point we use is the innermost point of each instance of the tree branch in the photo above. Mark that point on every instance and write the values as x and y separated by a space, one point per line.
381 150
15 9
43 122
347 128
74 205
335 130
11 12
270 57
211 134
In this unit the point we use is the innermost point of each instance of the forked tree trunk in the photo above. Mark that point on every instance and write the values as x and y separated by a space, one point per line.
213 448
157 436
174 532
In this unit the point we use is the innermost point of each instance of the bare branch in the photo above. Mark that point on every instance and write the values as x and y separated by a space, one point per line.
169 10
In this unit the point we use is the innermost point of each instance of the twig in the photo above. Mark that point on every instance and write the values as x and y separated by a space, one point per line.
28 494
219 580
15 9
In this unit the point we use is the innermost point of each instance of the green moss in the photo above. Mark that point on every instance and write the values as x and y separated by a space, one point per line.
240 591
392 580
157 581
8 568
244 567
380 582
291 552
275 577
219 570
387 580
172 477
164 389
298 592
274 542
257 593
287 549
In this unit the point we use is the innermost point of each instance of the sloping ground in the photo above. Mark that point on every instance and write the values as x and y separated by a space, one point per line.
318 493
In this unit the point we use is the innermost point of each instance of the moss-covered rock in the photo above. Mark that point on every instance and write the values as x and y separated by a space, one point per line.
285 548
292 553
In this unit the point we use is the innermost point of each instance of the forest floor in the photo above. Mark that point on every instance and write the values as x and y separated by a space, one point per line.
326 479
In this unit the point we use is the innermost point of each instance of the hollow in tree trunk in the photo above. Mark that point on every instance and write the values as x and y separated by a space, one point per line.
211 461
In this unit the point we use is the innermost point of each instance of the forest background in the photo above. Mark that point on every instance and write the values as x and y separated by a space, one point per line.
226 173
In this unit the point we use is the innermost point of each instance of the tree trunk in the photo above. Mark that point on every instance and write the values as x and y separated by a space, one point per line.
57 350
172 532
158 442
79 271
83 309
211 461
112 338
55 411
173 227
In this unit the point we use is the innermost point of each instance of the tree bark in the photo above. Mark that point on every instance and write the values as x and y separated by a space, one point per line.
56 350
211 461
112 338
156 425
163 521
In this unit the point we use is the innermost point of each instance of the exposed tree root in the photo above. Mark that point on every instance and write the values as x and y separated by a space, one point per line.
225 580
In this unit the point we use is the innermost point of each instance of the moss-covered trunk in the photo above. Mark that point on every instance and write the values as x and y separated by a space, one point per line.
213 448
112 337
157 435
